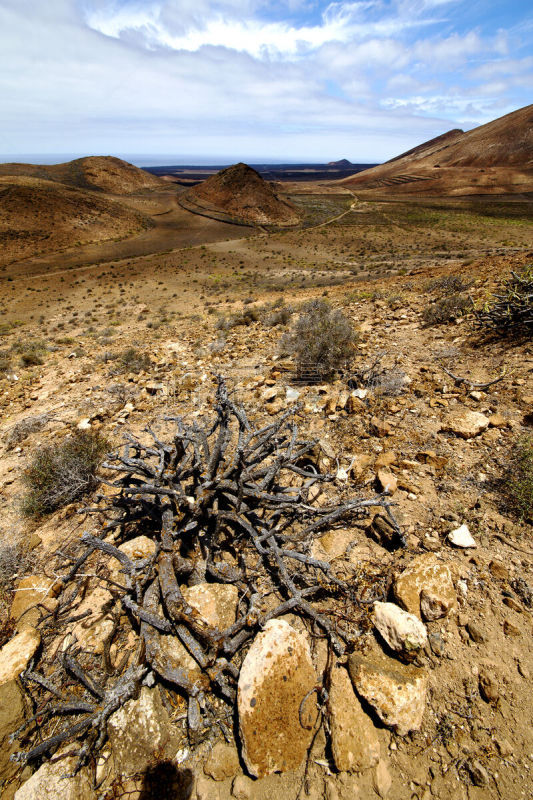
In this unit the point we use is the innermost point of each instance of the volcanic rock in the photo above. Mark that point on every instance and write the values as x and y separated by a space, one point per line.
275 677
241 192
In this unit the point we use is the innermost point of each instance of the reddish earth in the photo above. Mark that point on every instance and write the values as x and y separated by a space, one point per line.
241 193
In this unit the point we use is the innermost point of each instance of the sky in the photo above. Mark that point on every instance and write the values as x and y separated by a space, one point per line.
286 81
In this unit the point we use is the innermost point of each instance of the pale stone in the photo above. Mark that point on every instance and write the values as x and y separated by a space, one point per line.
222 762
466 424
461 537
387 481
425 588
354 740
242 788
382 779
276 675
140 547
291 395
30 591
402 631
84 424
56 780
385 459
16 654
139 731
397 692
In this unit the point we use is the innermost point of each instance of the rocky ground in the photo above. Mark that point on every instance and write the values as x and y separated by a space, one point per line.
435 700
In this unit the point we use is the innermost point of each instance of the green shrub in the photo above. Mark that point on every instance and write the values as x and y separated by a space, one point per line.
5 361
518 478
446 309
132 360
511 309
322 339
31 351
60 474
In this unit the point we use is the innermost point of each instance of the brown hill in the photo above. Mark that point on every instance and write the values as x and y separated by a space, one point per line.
240 193
100 173
496 158
38 216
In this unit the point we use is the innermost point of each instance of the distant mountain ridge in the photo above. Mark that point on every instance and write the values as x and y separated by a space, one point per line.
496 158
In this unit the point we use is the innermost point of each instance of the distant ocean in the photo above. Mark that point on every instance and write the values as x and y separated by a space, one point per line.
139 159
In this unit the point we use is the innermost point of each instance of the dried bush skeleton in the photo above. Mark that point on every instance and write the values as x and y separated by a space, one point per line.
228 503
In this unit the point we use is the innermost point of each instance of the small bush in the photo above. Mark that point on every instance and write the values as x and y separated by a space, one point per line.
322 339
446 309
511 310
31 351
449 284
132 360
58 475
518 478
279 316
5 361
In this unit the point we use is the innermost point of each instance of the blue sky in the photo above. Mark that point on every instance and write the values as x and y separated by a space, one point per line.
246 79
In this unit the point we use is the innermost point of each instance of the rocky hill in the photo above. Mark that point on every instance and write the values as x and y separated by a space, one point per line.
496 158
97 173
40 216
241 193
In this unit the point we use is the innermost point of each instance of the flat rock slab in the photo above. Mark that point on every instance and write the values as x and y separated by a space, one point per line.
275 677
15 655
466 424
426 588
396 692
30 591
354 740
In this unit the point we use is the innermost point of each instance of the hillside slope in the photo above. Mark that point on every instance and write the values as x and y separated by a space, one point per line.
97 173
242 194
496 158
38 216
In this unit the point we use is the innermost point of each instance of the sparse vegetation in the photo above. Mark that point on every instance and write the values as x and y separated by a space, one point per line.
511 309
446 309
322 339
31 351
132 360
58 475
518 479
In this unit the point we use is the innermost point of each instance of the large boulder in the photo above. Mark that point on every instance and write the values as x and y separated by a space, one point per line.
276 675
397 692
354 740
425 588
